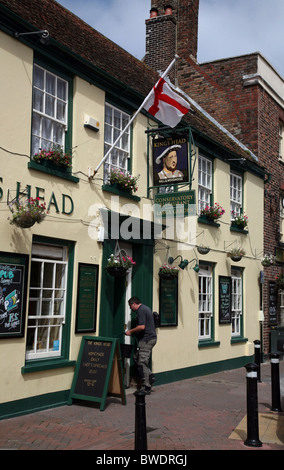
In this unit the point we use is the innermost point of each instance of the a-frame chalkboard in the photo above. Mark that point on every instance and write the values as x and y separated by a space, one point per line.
98 371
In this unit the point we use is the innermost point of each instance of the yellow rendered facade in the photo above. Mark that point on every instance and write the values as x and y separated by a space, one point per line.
73 216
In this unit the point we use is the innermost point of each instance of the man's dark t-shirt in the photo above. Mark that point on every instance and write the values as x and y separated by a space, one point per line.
144 316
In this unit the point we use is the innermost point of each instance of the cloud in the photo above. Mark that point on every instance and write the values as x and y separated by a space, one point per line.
229 28
122 21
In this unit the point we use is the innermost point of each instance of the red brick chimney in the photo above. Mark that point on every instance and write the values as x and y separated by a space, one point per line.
171 29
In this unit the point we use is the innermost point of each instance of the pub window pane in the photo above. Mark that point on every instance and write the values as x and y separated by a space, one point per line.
47 301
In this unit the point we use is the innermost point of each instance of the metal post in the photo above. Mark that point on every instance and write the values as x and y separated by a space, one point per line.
275 382
252 407
140 421
257 353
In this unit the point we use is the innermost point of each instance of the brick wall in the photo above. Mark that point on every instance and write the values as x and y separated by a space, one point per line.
167 35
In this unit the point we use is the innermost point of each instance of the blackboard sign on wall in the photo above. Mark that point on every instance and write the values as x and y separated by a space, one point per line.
87 291
98 371
13 291
168 301
225 287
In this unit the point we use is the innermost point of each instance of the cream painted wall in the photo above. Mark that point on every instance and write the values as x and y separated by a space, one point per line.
177 347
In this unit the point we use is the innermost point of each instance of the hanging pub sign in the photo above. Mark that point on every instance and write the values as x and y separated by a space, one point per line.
13 291
170 160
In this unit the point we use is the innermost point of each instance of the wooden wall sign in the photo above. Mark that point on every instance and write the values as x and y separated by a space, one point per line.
98 371
168 301
225 288
87 294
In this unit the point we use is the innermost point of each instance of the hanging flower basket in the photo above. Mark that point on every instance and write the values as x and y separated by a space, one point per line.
213 213
168 272
26 214
268 260
116 271
203 250
123 181
118 265
236 254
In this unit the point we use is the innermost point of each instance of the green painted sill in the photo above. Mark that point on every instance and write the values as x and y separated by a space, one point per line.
60 174
46 364
239 339
206 343
234 228
204 220
111 189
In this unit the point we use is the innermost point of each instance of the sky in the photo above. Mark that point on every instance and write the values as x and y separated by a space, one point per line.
227 28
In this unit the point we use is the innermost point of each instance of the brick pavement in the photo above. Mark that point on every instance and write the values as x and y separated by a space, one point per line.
201 413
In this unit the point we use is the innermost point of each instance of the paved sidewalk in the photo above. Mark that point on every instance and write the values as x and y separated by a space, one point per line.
202 413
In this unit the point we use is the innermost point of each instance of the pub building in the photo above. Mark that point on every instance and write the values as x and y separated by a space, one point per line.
68 223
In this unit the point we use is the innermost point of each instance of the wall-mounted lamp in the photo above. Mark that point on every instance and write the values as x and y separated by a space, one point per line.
44 35
184 263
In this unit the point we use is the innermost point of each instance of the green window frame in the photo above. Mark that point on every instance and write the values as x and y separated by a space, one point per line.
36 293
52 113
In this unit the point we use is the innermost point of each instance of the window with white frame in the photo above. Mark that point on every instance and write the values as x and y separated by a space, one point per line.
47 301
281 140
50 110
204 182
236 302
236 194
205 303
115 122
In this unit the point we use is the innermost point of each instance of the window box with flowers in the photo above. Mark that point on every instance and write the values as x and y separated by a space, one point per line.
210 214
53 161
118 265
280 281
168 271
122 183
239 223
26 214
236 254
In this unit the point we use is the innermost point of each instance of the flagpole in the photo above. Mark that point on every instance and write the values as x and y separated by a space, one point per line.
135 115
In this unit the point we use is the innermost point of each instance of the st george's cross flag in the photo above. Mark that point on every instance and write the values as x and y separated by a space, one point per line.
166 105
163 103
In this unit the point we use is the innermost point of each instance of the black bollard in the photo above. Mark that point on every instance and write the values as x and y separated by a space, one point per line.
275 382
257 354
252 407
140 421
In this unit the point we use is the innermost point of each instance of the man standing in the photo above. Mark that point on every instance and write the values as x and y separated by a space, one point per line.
147 338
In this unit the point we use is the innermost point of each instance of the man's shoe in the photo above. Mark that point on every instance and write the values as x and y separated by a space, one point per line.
147 390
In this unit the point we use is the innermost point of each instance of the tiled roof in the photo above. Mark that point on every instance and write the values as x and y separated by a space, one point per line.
83 41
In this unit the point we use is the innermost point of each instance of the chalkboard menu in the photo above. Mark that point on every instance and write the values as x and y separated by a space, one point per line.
98 371
272 303
225 287
87 298
168 301
13 291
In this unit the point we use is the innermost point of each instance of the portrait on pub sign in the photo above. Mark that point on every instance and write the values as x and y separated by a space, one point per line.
170 160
